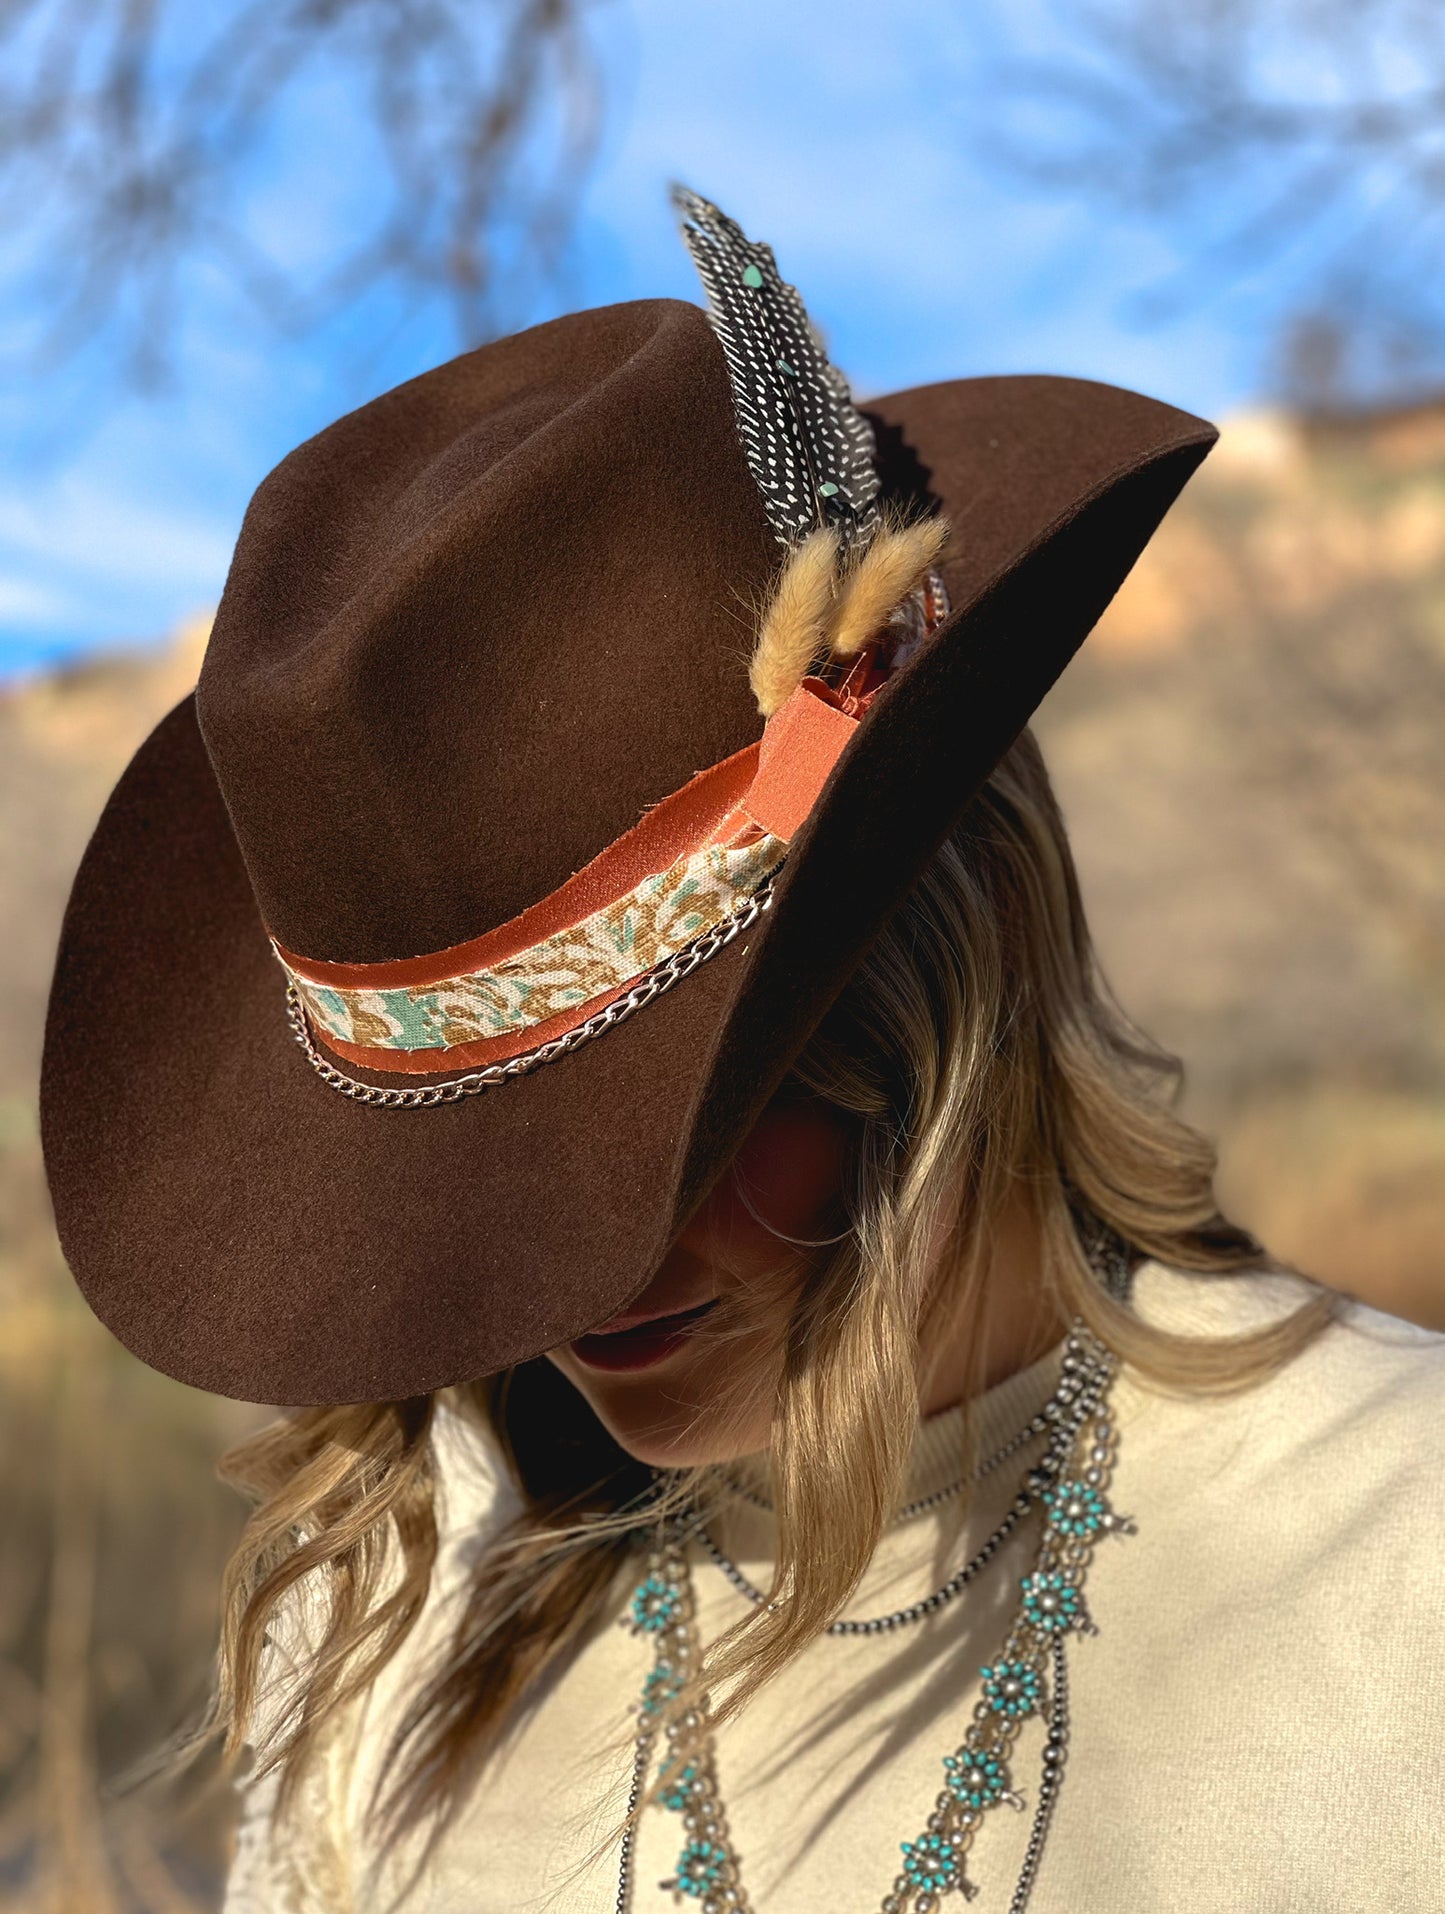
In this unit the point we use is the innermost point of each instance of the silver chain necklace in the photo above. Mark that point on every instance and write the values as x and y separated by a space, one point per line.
663 1610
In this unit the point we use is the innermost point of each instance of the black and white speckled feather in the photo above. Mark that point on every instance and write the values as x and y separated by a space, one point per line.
809 448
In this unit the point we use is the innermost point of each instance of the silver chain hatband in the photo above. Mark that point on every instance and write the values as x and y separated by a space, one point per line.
652 984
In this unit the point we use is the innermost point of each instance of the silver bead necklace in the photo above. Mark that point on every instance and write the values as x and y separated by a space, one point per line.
1071 1404
1069 1480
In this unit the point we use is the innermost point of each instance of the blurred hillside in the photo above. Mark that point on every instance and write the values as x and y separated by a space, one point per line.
1248 754
1248 751
115 1525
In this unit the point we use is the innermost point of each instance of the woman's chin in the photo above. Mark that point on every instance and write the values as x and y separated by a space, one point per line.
682 1448
664 1423
679 1391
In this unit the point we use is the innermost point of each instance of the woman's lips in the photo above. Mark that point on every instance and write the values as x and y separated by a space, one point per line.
639 1345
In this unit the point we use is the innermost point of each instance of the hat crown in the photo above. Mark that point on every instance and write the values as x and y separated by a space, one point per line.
236 1224
473 629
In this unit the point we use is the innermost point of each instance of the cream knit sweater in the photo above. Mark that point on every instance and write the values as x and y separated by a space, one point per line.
1258 1725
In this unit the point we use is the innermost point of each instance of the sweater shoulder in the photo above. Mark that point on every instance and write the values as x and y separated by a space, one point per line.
474 1493
310 1860
1188 1303
472 1498
1367 1390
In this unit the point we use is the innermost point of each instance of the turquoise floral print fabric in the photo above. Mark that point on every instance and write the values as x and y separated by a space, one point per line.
563 972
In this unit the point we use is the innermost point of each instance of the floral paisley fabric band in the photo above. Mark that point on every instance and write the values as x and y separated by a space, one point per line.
688 865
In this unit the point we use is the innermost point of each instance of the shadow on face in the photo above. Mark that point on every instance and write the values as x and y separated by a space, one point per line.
689 1372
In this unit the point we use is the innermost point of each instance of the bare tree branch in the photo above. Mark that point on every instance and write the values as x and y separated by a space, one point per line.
1305 135
135 137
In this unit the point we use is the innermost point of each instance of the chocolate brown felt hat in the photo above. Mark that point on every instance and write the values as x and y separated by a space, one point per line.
478 641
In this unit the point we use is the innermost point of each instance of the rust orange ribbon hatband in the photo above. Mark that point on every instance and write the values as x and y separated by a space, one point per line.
688 865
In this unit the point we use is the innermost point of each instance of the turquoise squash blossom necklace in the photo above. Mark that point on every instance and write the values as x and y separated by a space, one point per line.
1029 1676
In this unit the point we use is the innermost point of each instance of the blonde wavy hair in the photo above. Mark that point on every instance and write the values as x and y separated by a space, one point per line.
979 1058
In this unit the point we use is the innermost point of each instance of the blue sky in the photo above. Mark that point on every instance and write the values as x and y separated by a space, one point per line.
847 136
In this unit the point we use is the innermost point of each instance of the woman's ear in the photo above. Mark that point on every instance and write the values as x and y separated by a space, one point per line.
790 1174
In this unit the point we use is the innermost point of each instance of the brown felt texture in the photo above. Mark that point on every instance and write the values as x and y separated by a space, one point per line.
542 553
470 632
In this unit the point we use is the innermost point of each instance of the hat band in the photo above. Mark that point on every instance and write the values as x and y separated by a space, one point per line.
690 864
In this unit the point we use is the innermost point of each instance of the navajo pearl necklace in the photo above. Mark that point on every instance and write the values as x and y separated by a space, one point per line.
1069 1480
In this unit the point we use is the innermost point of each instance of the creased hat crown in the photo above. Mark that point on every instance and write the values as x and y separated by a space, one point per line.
475 628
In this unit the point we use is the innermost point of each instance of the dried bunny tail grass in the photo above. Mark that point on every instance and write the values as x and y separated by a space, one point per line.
895 563
795 626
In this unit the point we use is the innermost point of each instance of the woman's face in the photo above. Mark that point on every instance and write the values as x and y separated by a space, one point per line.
675 1378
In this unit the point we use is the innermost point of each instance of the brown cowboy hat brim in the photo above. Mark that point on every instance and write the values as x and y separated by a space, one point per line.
242 1228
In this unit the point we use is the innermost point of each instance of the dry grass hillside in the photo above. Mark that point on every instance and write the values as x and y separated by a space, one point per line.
1248 753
